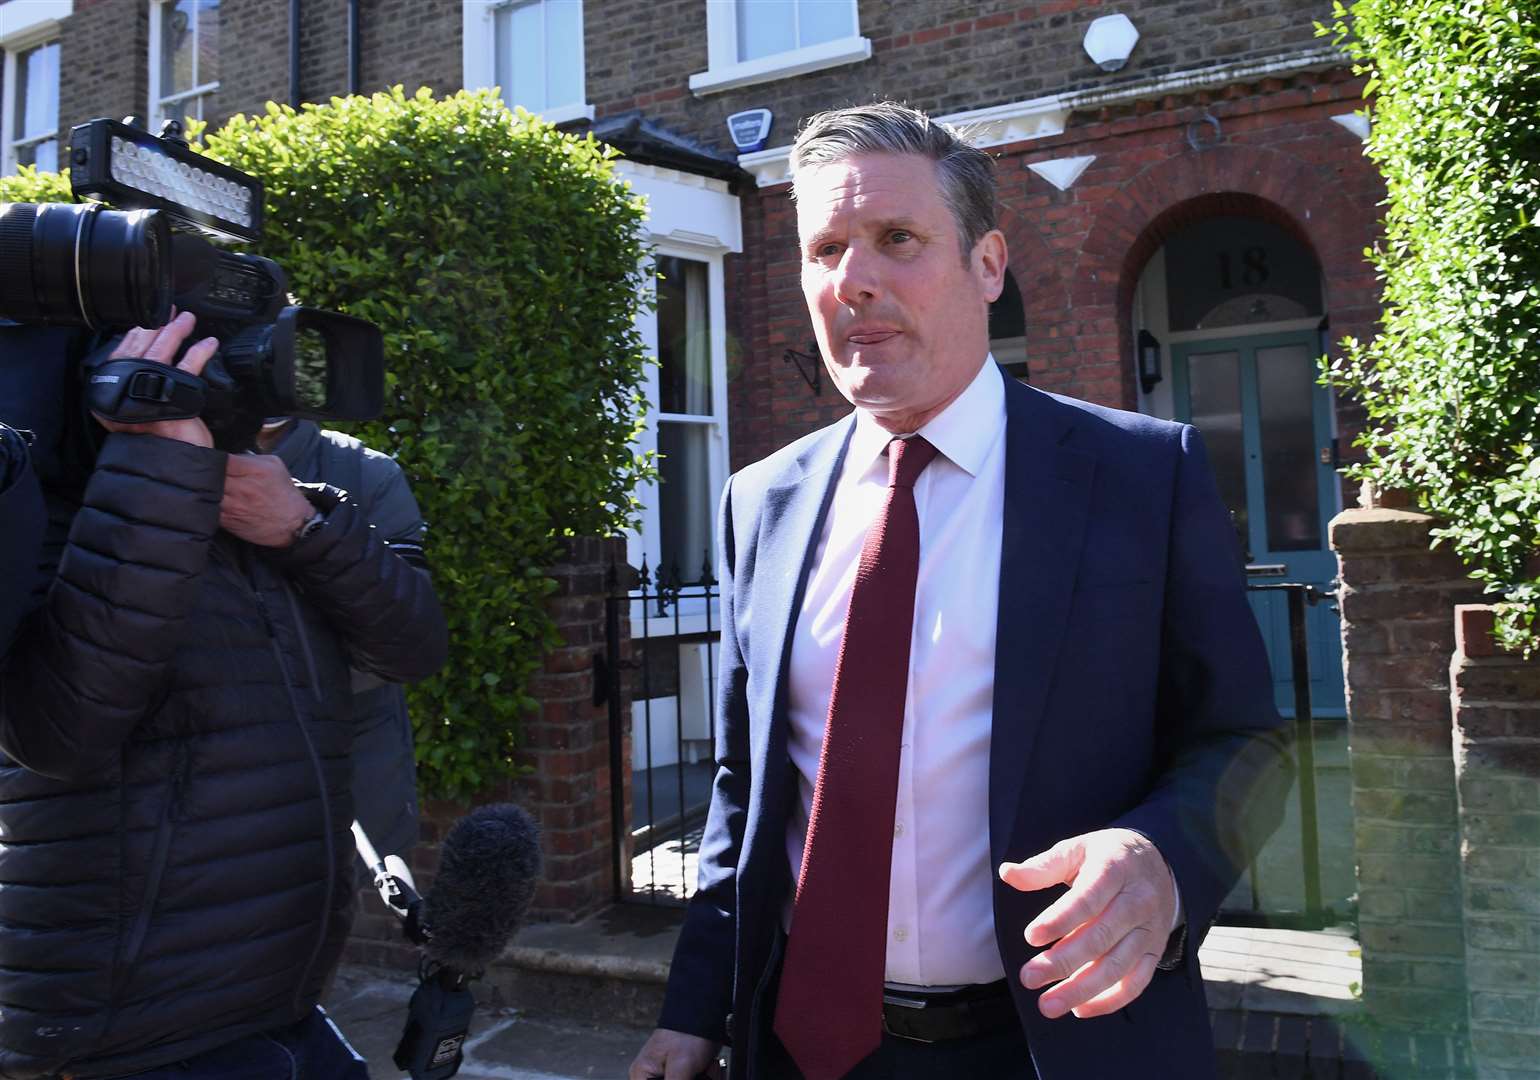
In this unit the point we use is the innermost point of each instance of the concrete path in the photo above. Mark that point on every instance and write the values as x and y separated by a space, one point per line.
532 1026
370 1005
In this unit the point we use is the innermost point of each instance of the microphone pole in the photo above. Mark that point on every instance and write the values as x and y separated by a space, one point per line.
489 863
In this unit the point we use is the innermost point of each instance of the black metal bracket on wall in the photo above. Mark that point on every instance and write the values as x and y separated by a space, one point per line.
813 373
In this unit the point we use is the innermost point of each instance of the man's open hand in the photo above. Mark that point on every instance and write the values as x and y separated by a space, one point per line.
673 1055
1110 928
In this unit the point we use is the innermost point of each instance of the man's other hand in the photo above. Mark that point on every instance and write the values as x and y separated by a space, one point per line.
673 1055
1108 930
261 504
161 346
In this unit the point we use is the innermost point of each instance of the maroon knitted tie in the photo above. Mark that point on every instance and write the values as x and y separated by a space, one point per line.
829 1009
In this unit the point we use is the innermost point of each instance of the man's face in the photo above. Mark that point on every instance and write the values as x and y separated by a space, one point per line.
902 319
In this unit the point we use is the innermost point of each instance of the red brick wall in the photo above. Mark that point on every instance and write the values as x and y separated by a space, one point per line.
939 55
1495 699
1396 599
1076 255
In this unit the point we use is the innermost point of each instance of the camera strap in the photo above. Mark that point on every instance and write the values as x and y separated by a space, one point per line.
133 391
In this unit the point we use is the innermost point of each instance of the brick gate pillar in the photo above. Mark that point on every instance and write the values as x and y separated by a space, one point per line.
566 755
1495 699
1396 599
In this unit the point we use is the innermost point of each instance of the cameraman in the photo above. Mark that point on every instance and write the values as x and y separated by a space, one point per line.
175 810
21 540
384 764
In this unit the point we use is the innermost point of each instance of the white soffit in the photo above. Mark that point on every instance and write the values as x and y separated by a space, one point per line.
686 208
1356 122
1062 172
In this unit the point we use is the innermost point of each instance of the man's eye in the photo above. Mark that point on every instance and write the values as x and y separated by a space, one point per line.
823 251
900 236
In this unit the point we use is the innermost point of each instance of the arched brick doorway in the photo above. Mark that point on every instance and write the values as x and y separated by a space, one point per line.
1336 222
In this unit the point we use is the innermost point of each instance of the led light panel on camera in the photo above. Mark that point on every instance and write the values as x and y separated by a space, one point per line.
132 169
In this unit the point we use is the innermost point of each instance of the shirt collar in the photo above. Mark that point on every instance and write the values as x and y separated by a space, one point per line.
963 432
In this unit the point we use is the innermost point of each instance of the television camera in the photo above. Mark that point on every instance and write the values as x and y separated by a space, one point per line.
87 265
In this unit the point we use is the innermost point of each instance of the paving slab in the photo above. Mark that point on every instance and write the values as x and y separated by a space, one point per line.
505 1044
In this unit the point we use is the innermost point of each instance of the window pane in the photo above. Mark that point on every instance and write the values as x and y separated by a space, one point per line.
208 41
766 27
564 42
1286 394
43 154
38 82
684 499
824 20
176 47
520 47
1214 390
684 337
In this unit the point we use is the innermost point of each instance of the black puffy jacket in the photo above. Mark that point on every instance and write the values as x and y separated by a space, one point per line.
174 810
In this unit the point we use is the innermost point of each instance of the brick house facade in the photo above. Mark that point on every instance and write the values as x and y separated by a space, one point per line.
1118 190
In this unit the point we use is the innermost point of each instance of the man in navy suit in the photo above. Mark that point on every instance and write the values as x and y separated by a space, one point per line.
997 733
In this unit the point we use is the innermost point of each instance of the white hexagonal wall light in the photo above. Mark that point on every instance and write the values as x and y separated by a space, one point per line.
1110 41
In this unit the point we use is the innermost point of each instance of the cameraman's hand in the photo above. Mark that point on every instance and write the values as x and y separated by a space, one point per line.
261 504
161 346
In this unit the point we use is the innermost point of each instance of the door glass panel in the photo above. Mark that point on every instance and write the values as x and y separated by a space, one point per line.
1285 397
1214 391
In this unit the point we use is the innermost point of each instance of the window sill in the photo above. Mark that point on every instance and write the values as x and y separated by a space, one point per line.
851 50
565 114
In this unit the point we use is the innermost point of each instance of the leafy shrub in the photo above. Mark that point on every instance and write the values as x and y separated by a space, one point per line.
502 260
1452 381
29 185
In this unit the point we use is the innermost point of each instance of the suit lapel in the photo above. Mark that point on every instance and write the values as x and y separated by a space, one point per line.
791 524
1047 496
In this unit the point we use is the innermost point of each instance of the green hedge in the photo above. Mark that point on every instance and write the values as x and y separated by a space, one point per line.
503 261
1452 381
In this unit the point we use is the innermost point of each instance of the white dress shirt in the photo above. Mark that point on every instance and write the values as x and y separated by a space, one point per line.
940 917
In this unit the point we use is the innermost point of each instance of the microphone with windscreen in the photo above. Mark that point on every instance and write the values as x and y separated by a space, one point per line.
489 863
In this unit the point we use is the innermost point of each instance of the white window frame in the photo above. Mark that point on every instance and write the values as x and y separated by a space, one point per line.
22 27
714 422
478 57
727 72
690 217
159 103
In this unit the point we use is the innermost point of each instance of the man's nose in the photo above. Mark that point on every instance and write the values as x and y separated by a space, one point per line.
855 278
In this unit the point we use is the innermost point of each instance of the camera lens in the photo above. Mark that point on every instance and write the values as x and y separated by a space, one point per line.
77 263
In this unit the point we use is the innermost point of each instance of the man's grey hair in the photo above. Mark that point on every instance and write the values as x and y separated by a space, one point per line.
965 173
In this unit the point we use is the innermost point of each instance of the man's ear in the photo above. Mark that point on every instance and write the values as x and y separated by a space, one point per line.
989 264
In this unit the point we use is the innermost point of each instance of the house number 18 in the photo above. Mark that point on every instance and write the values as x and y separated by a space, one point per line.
1254 269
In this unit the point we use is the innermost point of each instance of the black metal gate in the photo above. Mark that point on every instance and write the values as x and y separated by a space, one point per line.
1314 913
659 796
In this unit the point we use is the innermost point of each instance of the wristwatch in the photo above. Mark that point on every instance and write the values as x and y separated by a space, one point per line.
310 526
324 498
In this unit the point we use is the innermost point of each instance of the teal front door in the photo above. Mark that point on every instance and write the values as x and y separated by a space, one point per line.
1267 425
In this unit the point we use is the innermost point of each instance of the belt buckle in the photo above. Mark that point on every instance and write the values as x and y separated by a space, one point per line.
902 1001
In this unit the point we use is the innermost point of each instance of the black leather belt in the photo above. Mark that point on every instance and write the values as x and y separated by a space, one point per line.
948 1014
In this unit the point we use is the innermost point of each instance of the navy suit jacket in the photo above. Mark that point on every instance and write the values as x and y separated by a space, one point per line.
1131 689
